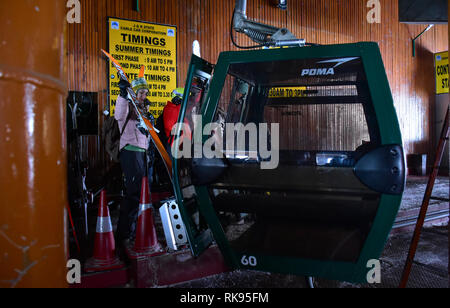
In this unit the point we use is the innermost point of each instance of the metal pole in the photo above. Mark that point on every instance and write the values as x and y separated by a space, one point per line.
241 6
33 185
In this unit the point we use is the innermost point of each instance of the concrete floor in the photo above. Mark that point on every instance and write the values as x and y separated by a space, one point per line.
430 268
415 189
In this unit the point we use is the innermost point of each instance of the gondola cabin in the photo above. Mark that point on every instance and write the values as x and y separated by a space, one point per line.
303 146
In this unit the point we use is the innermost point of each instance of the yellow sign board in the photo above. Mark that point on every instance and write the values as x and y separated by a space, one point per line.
133 44
287 92
441 64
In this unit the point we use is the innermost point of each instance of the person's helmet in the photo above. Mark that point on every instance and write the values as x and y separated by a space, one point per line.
177 96
178 92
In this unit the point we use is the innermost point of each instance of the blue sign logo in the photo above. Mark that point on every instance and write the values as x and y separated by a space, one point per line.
115 25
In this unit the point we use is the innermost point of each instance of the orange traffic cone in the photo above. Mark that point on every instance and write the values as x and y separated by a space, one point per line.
104 248
146 243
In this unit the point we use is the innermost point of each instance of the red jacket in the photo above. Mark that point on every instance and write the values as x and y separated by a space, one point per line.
170 117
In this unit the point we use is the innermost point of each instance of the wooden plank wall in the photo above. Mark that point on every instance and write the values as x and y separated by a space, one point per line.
318 21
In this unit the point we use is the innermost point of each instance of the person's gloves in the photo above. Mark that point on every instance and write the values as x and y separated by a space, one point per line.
123 86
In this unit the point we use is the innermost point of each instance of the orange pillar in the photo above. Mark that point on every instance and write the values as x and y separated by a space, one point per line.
32 144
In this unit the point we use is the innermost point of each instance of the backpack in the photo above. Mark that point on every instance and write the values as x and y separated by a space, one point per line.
111 136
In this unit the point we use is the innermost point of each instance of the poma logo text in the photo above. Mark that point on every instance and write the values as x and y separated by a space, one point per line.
74 15
318 72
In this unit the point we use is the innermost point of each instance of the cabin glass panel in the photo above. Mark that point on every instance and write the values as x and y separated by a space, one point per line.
310 205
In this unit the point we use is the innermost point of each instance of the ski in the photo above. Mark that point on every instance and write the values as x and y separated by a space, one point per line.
142 120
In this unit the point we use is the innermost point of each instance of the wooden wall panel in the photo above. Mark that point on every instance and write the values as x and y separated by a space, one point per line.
318 21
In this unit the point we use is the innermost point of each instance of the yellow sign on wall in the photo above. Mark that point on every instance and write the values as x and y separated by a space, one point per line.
133 44
441 65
